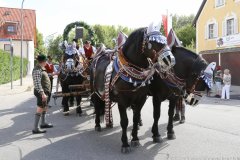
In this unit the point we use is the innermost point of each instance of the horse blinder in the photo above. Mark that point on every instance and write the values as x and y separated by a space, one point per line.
192 97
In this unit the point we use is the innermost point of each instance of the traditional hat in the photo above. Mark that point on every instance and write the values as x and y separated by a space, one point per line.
41 58
87 42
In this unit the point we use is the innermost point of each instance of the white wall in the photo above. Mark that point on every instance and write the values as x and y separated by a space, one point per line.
27 51
30 56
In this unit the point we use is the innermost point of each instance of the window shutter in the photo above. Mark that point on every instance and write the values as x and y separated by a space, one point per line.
215 30
216 1
206 32
235 25
224 28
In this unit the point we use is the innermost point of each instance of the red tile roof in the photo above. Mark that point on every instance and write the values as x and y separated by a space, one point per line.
9 15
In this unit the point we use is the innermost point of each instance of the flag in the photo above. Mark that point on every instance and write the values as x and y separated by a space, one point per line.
169 23
165 24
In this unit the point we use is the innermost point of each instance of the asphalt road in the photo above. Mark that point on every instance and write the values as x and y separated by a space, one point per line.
211 131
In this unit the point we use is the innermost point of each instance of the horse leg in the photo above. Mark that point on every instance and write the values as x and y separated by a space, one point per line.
65 100
170 132
124 125
71 101
140 118
156 115
136 120
98 105
79 109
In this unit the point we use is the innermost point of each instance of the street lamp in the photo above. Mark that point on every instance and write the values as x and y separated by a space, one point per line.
21 64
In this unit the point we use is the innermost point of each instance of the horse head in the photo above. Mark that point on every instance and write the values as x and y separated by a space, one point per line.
195 71
71 58
150 46
198 84
156 47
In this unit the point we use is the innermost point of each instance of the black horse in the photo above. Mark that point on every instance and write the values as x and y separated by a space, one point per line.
71 74
187 79
131 72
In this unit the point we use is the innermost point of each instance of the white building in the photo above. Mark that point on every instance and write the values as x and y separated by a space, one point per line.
10 27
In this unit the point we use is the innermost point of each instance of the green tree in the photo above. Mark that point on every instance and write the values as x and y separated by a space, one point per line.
182 25
40 48
53 48
105 33
180 21
187 34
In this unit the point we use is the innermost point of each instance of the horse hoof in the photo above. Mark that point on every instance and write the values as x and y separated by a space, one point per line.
109 125
98 129
66 113
135 143
126 150
171 136
79 111
182 121
157 139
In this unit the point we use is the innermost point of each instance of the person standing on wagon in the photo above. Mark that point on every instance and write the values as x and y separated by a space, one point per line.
42 87
88 50
227 84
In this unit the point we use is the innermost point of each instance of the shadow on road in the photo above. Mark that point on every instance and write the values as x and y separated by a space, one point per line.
72 137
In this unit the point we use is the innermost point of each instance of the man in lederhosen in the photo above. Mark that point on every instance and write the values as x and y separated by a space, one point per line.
42 87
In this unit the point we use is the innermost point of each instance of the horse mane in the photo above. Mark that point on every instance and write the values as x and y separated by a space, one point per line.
199 63
136 37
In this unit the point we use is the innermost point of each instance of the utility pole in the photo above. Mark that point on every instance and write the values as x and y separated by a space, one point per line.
21 63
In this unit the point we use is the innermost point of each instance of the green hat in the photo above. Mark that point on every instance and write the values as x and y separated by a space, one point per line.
41 58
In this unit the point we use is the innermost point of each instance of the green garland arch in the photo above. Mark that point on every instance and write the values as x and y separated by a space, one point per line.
70 26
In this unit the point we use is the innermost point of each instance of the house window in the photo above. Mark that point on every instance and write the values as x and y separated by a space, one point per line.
211 31
7 47
11 29
219 3
230 26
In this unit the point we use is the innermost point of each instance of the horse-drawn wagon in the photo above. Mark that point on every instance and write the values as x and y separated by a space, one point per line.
74 78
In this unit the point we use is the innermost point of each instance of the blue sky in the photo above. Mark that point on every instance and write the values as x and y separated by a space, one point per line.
54 15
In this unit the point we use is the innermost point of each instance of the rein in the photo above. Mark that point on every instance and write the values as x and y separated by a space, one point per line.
171 79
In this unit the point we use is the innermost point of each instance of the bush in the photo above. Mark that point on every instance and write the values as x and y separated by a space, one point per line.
5 68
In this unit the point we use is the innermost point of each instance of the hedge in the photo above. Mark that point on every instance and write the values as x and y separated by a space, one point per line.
5 74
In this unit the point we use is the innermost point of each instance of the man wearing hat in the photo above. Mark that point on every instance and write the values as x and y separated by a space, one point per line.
88 50
42 87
